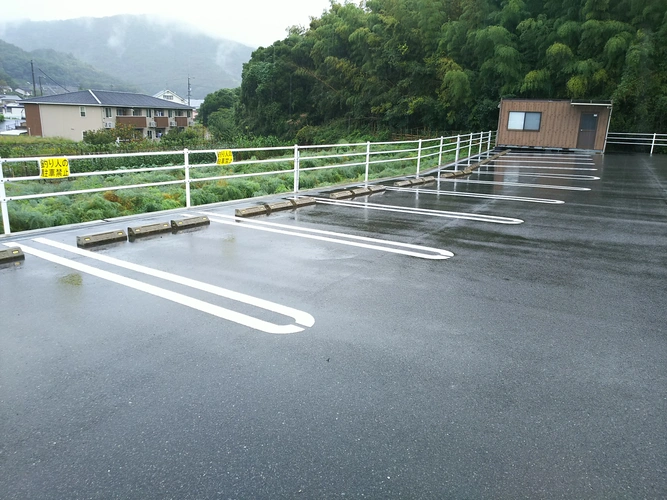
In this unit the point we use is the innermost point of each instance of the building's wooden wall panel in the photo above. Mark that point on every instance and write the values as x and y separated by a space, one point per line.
559 127
134 121
33 120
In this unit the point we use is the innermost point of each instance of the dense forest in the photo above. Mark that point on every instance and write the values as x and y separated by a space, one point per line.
406 65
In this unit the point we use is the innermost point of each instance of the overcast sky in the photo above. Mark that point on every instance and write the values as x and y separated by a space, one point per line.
252 22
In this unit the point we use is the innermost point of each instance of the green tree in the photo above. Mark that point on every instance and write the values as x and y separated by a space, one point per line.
220 99
120 133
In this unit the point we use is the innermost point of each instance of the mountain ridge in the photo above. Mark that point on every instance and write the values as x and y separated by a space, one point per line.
54 71
151 55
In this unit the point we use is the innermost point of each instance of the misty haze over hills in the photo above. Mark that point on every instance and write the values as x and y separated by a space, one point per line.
151 56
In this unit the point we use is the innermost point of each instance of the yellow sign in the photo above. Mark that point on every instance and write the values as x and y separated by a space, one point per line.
54 168
225 157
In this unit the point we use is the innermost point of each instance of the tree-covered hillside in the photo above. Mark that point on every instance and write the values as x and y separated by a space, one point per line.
54 68
152 55
445 64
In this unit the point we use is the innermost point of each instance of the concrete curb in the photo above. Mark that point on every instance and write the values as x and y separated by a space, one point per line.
11 255
101 238
302 202
139 231
340 195
251 211
190 222
471 168
278 206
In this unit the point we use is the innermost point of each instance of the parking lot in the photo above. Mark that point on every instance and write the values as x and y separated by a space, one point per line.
499 335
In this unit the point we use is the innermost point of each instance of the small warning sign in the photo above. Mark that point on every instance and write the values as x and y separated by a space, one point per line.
225 157
54 168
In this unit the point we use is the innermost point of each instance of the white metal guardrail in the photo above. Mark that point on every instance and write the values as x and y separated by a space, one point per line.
368 158
638 139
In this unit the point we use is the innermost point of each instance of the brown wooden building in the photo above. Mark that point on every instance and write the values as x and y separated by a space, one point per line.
554 124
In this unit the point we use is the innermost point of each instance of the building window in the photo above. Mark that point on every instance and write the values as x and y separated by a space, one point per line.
171 113
179 112
189 113
82 110
159 112
136 112
107 113
149 113
523 120
121 112
168 97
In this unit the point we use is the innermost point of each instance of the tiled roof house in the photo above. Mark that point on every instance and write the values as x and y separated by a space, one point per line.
69 115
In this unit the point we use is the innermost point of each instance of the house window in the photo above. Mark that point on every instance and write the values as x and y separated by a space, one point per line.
136 112
171 113
179 112
159 112
149 113
189 113
168 97
107 112
523 120
82 110
122 112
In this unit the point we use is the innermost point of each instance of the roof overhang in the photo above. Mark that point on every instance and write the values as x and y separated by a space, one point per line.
607 104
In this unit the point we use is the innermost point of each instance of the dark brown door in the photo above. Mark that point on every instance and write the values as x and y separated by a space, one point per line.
588 127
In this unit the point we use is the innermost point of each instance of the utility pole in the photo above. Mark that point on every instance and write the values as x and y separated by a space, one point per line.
34 87
189 89
41 89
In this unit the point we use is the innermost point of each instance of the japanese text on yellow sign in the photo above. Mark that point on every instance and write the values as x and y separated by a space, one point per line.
54 168
225 157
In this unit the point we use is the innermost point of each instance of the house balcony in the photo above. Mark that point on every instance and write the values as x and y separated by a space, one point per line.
134 121
181 121
161 121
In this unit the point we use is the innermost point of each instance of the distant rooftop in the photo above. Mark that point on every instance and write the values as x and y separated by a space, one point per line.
105 98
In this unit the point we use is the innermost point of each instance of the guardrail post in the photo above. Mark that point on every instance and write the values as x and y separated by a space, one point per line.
419 157
3 201
481 144
442 141
488 146
458 148
186 164
653 143
296 168
368 161
470 147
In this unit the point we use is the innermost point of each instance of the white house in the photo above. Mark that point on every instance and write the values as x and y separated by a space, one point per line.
170 96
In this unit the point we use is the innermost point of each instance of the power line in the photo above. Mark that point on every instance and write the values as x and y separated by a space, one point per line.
64 88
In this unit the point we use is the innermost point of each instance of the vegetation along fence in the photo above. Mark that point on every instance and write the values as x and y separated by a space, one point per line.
42 192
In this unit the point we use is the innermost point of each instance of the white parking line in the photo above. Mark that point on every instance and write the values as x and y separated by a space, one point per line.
332 237
518 184
422 211
551 156
300 317
304 319
526 160
537 167
551 176
479 195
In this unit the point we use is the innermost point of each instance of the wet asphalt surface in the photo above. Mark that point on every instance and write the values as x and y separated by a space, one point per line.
532 364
